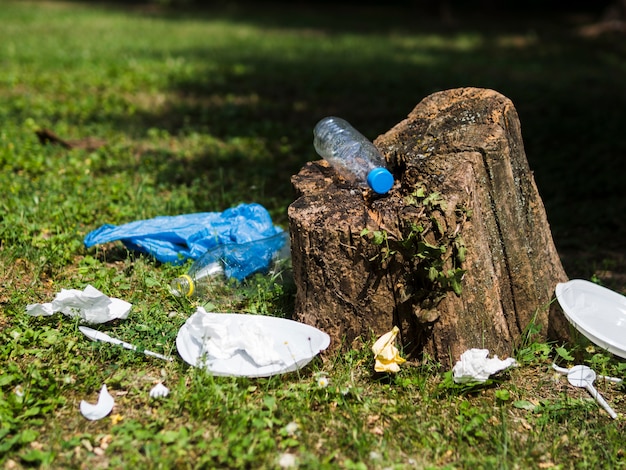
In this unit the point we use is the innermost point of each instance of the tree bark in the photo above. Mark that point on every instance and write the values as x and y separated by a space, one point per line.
459 254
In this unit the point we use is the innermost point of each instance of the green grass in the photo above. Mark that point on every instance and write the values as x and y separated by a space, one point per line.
202 110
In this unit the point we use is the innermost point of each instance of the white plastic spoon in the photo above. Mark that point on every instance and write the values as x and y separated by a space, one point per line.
583 376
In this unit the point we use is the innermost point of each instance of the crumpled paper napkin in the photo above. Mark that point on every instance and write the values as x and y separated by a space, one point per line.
386 354
474 366
223 337
91 305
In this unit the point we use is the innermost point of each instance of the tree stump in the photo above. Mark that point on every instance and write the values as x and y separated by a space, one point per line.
459 253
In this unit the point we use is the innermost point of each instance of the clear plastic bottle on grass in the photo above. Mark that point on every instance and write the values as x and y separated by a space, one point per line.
236 261
351 154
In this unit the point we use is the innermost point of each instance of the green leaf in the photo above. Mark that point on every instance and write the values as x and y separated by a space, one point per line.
434 200
32 411
28 435
410 200
426 250
419 192
7 444
437 226
379 237
4 431
416 228
169 437
151 282
524 405
503 395
461 250
37 456
456 286
564 353
433 274
460 254
6 379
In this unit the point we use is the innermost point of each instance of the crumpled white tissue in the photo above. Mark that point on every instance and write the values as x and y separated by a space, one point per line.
222 338
159 391
100 409
91 305
474 366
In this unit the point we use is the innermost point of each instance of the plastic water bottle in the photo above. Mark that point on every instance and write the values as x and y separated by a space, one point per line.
351 154
234 261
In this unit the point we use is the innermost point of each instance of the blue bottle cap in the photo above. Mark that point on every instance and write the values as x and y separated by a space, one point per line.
380 180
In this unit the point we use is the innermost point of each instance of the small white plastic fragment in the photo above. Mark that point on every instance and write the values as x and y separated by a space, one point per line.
100 409
474 366
159 391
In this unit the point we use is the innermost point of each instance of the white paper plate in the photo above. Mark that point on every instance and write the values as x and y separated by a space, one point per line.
297 344
597 312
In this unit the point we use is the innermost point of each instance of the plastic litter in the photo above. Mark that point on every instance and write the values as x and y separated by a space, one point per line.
351 154
96 335
174 239
90 305
234 261
386 354
232 344
159 391
583 376
99 410
475 366
597 312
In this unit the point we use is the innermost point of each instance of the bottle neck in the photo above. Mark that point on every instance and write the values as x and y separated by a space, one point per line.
183 286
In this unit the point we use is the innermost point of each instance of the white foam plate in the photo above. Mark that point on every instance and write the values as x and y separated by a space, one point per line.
297 344
597 312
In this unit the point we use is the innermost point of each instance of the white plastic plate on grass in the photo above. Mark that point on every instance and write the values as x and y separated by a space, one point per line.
296 343
597 312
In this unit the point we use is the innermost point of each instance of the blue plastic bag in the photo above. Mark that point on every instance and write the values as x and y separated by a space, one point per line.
174 239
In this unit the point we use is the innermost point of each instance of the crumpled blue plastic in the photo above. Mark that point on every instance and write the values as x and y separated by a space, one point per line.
174 239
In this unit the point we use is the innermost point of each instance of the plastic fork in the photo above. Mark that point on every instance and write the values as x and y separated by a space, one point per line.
583 377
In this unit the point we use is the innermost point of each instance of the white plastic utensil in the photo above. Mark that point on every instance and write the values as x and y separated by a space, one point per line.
583 376
96 335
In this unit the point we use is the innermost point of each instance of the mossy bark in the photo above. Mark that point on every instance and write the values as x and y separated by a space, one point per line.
464 201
